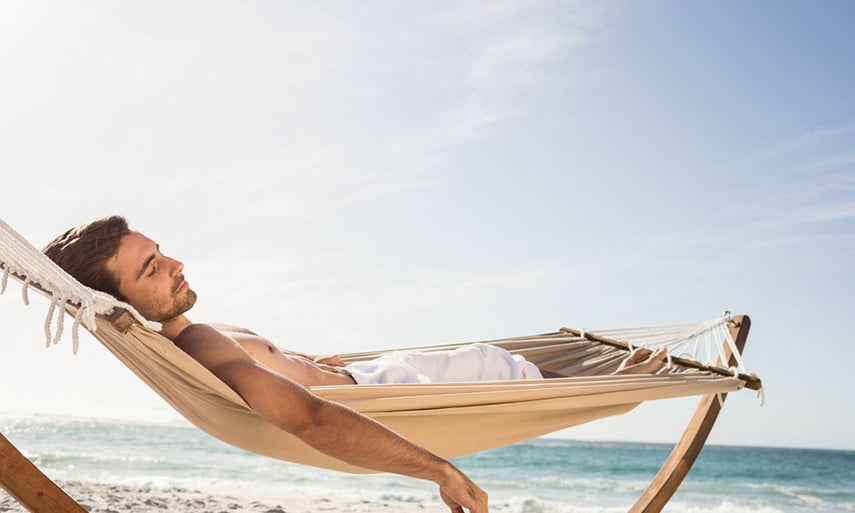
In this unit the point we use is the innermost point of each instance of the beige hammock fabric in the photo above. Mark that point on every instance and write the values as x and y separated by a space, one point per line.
448 419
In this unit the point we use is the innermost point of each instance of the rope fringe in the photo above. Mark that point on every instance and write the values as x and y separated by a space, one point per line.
24 290
25 263
48 320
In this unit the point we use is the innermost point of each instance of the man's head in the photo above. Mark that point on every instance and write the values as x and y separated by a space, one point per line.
106 255
83 252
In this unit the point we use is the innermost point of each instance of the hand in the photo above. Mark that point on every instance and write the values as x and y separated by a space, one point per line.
333 360
460 492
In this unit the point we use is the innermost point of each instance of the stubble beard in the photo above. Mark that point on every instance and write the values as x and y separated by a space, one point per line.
159 312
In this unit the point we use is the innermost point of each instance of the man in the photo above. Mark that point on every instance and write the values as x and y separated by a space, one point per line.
106 255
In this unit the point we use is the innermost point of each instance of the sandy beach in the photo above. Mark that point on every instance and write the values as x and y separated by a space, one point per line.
111 498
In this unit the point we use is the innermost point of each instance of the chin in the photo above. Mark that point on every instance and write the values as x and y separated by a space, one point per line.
190 297
184 304
181 306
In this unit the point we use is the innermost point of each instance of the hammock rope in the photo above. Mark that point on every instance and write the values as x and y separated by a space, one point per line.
705 342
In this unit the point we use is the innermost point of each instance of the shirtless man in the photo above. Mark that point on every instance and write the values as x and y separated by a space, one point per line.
106 255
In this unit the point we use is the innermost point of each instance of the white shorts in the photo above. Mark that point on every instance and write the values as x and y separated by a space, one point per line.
474 362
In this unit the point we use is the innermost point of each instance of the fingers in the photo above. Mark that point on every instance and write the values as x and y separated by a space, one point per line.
463 493
333 360
452 504
474 504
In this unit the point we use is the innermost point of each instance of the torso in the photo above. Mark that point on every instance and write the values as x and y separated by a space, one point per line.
296 368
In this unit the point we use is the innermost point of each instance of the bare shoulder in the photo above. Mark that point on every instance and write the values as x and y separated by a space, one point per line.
199 333
228 328
209 345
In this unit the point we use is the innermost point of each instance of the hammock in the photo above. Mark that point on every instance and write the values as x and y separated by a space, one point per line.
448 419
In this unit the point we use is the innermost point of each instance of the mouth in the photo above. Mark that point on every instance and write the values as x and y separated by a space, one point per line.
182 286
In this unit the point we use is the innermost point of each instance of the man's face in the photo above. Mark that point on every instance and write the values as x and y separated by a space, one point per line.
151 282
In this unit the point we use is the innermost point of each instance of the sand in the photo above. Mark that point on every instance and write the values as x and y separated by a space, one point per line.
111 498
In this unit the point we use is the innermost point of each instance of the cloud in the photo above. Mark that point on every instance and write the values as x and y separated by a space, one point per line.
837 160
829 213
237 125
806 140
294 112
807 181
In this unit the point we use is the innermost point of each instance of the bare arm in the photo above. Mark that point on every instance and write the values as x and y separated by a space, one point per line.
328 427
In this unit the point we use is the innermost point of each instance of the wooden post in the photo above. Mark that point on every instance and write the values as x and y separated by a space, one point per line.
29 486
687 449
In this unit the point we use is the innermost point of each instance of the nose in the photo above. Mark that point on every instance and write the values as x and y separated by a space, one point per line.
175 266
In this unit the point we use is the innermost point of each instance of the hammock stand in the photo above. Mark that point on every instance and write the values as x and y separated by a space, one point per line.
38 494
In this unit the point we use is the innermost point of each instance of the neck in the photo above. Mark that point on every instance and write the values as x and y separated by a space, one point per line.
172 327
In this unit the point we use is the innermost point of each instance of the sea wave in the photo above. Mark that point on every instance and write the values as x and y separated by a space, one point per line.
725 506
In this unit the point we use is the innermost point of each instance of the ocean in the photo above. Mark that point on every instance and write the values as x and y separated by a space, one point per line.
541 475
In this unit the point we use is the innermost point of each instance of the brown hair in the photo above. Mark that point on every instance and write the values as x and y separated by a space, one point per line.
83 252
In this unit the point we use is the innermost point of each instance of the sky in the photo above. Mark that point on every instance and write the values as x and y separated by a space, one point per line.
354 176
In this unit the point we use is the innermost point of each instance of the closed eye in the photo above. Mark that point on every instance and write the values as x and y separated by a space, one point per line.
149 262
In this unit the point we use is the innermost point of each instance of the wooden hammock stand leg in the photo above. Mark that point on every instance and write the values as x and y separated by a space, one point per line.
687 449
27 485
